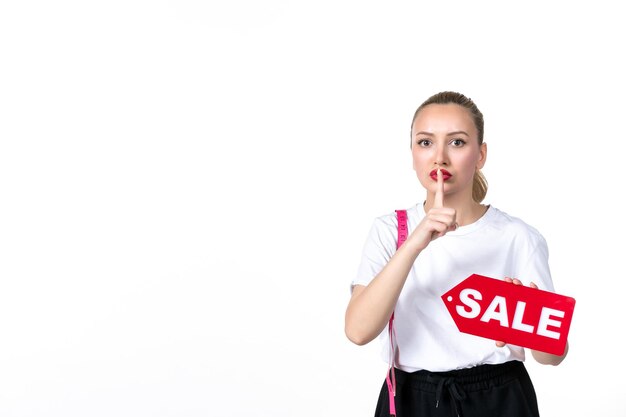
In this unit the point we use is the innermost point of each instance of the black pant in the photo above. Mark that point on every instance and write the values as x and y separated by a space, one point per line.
484 391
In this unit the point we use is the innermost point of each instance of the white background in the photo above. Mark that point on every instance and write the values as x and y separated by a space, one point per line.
186 186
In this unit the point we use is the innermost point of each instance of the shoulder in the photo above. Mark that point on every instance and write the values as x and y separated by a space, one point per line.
389 221
386 224
506 223
385 228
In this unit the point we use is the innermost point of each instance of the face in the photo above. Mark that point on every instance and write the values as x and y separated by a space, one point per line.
444 137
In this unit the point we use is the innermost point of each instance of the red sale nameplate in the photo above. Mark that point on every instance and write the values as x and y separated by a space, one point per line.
514 314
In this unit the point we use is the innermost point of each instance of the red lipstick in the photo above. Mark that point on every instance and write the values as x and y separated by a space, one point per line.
446 174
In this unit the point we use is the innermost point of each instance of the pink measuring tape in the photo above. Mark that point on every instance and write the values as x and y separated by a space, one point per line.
403 233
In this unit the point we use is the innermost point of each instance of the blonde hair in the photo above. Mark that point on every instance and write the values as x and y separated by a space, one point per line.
479 186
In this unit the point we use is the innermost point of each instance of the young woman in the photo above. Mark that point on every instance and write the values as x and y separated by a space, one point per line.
437 370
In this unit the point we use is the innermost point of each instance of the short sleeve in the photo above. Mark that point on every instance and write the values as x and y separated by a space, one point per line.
378 249
536 268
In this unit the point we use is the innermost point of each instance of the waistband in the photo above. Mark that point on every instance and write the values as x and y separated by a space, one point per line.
470 379
459 382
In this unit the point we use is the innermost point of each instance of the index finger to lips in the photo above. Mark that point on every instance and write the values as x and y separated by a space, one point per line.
439 193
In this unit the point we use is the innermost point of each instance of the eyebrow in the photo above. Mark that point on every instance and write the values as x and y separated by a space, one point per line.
447 134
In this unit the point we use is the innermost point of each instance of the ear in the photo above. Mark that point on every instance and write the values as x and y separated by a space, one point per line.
482 157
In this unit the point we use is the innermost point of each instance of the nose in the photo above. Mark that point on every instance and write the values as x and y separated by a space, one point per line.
441 156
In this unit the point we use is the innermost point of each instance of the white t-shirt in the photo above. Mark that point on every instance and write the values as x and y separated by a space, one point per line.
496 245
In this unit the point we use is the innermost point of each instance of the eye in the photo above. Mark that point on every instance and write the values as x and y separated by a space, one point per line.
457 143
424 142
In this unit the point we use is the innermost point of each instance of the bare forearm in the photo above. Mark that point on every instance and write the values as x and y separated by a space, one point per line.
549 359
370 307
369 310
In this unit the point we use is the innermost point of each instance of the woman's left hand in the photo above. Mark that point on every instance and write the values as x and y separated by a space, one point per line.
541 357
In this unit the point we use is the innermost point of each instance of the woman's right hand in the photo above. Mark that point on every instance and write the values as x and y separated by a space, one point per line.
371 306
438 221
